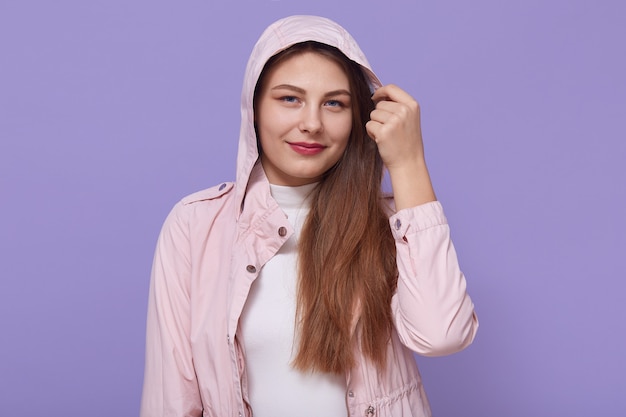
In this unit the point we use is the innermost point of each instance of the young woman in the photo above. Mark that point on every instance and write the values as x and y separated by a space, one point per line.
300 289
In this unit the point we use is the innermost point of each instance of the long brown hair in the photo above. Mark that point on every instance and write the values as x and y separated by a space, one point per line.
347 257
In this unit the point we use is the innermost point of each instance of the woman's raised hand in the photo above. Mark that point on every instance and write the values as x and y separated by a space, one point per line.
395 126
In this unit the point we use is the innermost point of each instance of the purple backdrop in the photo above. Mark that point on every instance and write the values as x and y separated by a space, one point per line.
110 111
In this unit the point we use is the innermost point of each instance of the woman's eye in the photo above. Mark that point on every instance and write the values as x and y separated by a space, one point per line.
334 103
289 99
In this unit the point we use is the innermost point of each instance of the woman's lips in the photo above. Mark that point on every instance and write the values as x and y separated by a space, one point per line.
304 148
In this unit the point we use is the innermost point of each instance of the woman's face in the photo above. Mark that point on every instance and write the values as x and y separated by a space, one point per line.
304 118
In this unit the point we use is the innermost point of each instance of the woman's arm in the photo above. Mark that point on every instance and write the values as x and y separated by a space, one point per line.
170 386
433 313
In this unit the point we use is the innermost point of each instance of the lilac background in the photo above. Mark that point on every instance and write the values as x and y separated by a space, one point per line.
110 111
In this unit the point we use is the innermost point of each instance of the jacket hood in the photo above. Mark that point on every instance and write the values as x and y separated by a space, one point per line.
278 36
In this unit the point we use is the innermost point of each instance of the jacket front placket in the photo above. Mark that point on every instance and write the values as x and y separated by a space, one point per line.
262 229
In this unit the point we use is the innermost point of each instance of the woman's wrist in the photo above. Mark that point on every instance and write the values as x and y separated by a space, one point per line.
411 184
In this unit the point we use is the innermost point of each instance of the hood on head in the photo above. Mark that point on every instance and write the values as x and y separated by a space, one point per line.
277 37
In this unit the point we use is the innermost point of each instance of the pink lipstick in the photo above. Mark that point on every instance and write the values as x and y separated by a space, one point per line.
304 148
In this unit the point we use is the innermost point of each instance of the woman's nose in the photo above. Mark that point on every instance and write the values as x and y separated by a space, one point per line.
311 121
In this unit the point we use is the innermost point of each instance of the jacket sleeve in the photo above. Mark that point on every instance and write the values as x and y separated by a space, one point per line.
432 311
170 386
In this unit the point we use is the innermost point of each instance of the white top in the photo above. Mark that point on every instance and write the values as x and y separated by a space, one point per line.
267 325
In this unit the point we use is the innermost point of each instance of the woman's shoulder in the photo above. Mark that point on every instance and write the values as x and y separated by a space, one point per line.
204 205
217 192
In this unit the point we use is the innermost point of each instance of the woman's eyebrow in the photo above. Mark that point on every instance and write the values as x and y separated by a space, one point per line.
337 93
289 87
341 91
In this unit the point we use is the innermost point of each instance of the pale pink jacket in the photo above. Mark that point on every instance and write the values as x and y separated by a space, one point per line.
213 245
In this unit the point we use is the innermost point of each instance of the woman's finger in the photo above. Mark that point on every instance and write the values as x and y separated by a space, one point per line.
380 115
391 92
